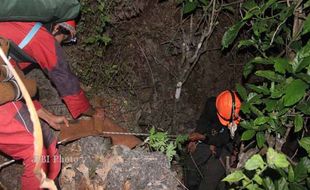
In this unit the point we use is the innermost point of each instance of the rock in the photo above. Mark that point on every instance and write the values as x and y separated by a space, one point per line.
119 168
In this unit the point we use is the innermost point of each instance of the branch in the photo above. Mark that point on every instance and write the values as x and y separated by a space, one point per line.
244 156
280 141
6 163
148 63
274 34
205 35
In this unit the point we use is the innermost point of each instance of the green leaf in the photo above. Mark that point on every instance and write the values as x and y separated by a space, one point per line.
256 111
247 69
298 123
247 135
307 4
303 64
252 186
301 169
305 143
294 92
300 56
246 43
259 27
255 162
234 177
241 91
258 179
304 107
267 5
152 131
231 34
259 89
291 175
261 120
245 124
170 151
270 104
204 2
254 98
270 75
268 184
306 27
189 7
304 77
260 139
281 184
295 186
277 92
280 65
276 159
249 5
260 60
245 108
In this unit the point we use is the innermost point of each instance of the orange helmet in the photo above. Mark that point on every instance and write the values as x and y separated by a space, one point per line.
228 106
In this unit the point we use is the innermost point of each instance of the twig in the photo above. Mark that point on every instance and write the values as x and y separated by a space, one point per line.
206 34
280 141
274 34
245 148
148 63
6 163
243 157
175 178
164 66
232 3
295 153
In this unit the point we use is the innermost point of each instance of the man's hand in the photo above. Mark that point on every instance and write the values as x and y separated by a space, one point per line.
191 147
196 137
54 121
99 113
95 112
213 149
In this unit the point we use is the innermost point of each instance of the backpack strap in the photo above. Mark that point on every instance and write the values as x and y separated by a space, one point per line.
30 35
19 55
17 52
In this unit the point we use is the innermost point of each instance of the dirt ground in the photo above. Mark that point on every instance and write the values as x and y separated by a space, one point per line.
134 77
139 67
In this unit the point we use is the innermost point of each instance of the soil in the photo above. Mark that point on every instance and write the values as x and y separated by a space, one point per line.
139 66
134 77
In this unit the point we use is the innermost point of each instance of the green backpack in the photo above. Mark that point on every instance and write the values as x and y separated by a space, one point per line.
45 11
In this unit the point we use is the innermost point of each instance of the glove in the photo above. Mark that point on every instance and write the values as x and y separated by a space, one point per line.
196 137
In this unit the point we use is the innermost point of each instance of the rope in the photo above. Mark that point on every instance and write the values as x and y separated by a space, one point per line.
132 133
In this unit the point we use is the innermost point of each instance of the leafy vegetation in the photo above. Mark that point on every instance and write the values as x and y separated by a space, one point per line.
98 8
277 33
275 172
160 141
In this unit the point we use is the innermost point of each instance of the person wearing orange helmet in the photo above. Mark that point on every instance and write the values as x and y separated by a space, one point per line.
211 142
